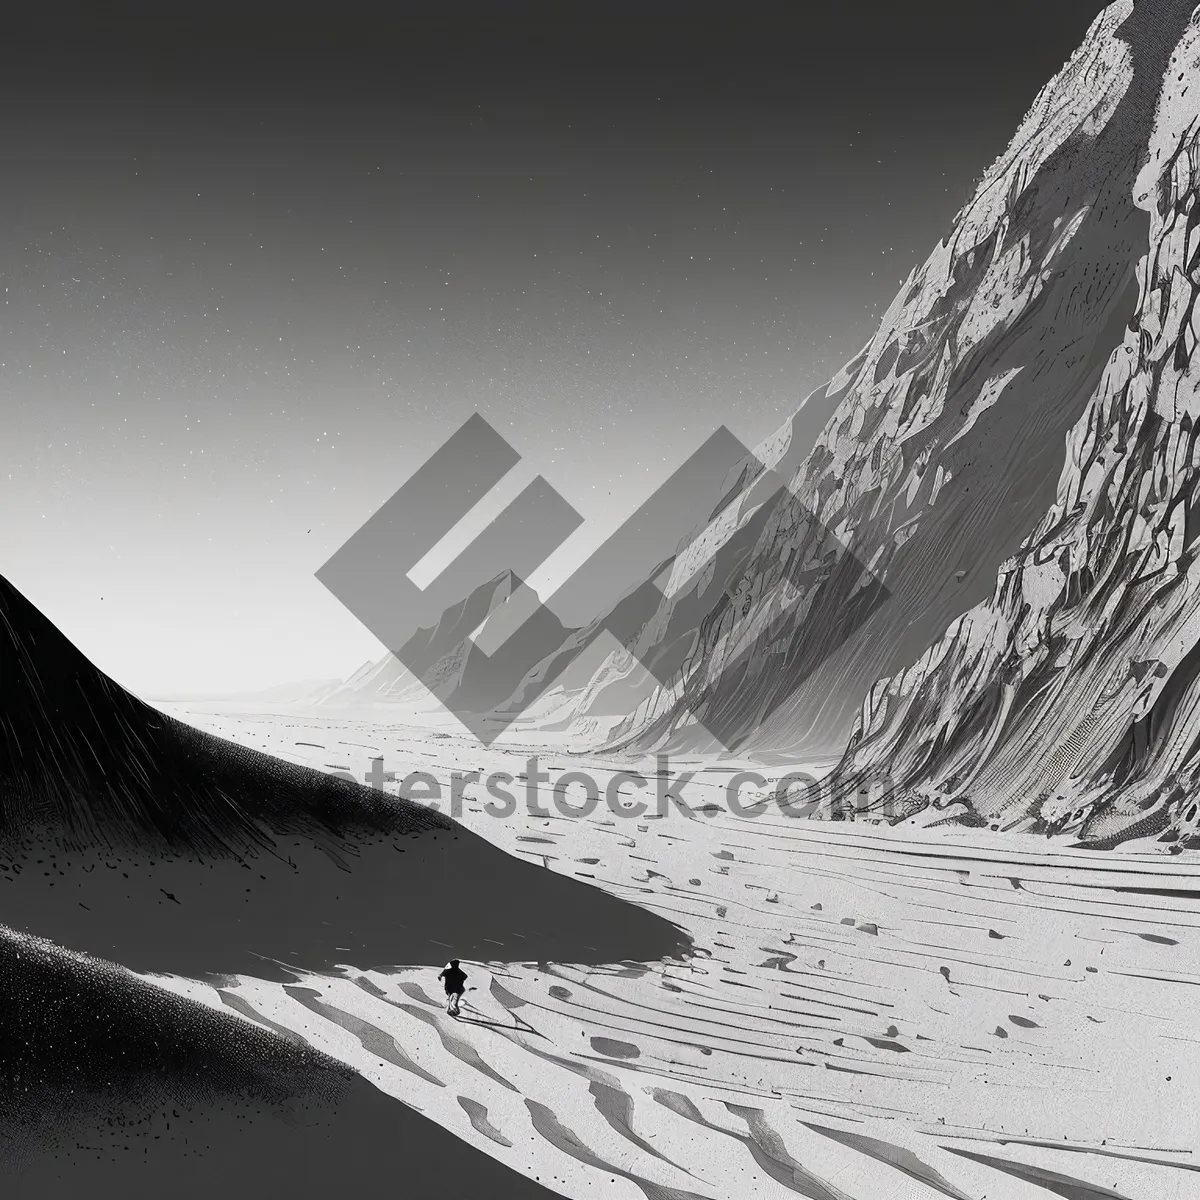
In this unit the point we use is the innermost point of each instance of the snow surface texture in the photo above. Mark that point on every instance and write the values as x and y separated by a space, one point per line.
868 1013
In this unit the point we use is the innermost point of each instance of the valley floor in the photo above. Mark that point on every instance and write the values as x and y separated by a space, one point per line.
869 1014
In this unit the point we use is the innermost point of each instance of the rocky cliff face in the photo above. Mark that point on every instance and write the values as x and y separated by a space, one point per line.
949 433
1070 699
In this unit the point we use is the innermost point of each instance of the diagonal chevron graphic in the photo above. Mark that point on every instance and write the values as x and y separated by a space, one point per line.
369 574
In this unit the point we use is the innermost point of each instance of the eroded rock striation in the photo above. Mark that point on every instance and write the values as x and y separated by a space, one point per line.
1070 699
949 431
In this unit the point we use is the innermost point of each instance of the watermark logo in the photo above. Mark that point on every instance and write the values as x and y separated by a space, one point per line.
618 583
543 792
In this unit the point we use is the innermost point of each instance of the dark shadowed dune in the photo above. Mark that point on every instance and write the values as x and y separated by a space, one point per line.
127 834
110 1087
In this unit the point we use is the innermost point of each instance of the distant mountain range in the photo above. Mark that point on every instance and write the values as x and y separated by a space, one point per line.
446 664
298 693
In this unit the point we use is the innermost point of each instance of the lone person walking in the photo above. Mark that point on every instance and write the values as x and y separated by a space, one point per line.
456 980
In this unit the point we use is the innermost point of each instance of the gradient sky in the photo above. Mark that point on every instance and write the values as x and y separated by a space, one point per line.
258 264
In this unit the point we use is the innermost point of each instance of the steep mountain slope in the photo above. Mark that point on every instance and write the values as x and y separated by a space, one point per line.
83 759
1071 698
133 836
948 435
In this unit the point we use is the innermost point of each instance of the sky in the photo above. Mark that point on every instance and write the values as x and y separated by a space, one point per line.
259 263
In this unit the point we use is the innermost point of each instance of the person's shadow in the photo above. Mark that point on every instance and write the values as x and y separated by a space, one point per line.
519 1026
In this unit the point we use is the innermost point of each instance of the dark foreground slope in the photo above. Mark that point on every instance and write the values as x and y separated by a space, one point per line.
132 836
110 1087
